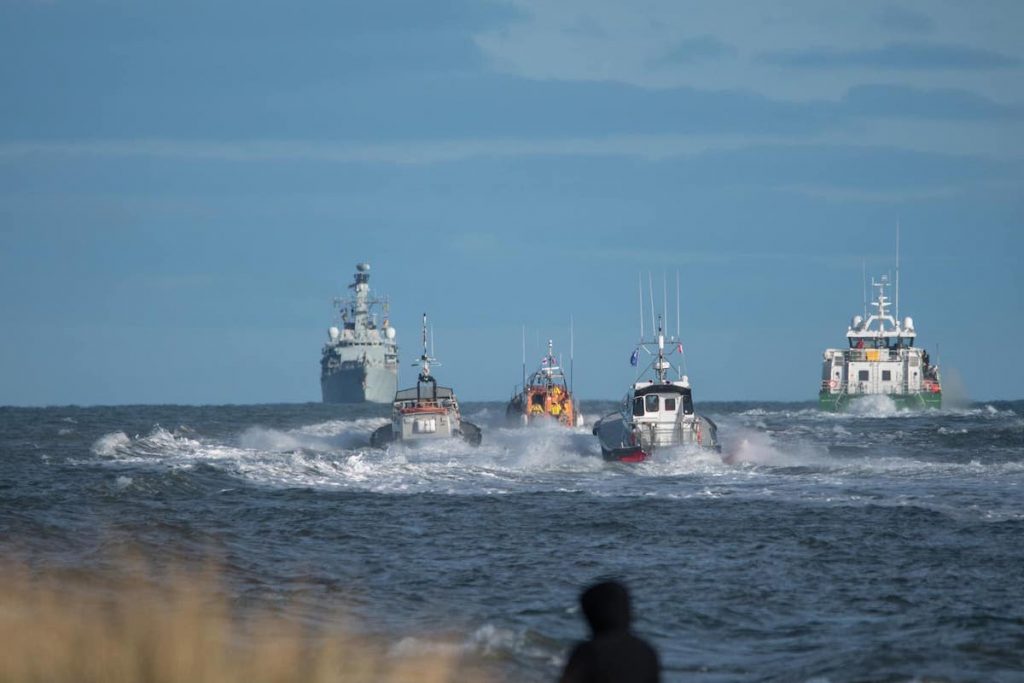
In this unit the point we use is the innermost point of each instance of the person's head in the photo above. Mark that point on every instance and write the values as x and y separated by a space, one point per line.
606 606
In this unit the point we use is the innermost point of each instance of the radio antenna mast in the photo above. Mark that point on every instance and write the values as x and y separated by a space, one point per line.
640 281
664 297
864 284
897 272
650 290
677 306
572 351
524 357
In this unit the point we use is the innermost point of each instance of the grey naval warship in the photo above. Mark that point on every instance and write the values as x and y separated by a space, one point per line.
360 359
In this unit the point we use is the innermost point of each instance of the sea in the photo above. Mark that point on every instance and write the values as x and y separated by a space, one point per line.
876 545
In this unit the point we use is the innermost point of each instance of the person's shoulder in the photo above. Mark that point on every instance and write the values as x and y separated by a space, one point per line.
579 663
647 646
641 645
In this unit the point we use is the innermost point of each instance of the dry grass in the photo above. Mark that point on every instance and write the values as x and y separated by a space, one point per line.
57 627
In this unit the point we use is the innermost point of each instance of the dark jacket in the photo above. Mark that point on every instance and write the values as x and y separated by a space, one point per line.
613 654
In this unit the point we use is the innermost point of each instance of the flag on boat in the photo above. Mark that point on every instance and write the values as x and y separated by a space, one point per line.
680 347
635 358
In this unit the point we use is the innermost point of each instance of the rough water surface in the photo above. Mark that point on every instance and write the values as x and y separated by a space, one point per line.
874 546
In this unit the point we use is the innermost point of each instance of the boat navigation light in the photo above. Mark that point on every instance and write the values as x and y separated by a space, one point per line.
686 381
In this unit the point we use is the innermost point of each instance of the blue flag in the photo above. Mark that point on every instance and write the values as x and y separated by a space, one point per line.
635 357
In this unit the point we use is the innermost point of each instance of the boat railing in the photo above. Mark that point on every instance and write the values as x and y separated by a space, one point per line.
837 388
832 385
412 404
862 355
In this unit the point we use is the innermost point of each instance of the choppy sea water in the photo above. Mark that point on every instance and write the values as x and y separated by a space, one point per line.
874 546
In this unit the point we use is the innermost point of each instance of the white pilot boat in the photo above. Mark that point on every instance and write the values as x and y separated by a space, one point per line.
426 412
657 412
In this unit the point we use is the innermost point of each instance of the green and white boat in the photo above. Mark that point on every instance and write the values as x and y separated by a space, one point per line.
881 359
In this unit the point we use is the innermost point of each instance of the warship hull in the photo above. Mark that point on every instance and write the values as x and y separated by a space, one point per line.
838 403
359 384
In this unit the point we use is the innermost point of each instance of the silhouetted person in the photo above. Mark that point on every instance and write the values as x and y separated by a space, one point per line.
613 654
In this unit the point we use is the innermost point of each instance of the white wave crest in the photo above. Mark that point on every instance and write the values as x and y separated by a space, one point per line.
326 436
488 640
110 444
874 406
759 448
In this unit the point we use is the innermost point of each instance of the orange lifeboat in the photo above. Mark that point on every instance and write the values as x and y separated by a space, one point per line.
544 397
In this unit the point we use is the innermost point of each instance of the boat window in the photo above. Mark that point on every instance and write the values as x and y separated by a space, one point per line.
886 375
862 376
638 406
651 404
670 405
687 404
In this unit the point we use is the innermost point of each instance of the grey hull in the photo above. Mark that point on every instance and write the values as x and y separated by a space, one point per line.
617 436
385 435
360 385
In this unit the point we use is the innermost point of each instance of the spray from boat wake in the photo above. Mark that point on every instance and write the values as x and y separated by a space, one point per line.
793 452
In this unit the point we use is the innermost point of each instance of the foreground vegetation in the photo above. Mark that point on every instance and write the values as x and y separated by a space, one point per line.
181 628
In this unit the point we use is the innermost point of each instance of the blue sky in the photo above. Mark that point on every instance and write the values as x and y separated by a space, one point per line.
185 186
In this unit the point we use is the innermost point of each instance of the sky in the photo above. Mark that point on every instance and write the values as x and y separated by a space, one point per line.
186 186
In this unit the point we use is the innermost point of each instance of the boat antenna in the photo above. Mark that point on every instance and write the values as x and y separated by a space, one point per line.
431 340
897 272
425 360
650 290
572 351
524 357
424 335
678 336
661 364
640 281
864 284
664 296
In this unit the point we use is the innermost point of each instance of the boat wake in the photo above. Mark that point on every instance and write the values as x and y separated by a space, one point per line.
834 457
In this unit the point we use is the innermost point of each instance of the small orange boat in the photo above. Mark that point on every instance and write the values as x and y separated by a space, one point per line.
544 397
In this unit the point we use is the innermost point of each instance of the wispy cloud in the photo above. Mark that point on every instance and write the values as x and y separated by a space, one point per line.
902 56
825 50
904 19
905 119
947 104
695 50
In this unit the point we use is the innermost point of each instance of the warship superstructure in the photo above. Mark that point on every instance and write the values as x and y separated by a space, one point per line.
426 412
657 412
880 360
360 359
